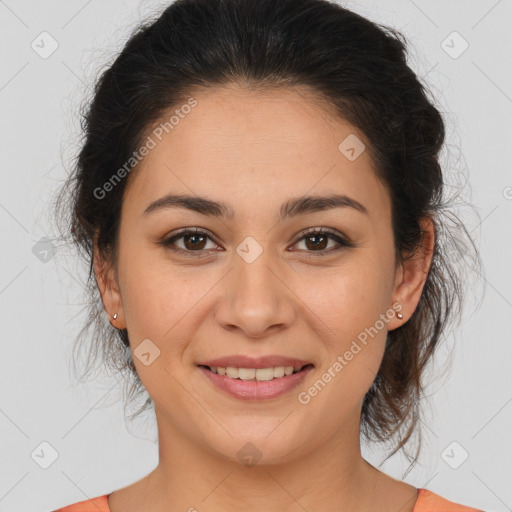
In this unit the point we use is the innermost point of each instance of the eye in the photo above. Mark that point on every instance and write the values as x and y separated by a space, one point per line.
194 241
316 240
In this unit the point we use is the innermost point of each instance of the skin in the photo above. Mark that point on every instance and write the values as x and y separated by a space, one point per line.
256 150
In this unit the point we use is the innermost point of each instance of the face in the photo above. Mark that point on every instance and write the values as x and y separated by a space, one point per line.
267 276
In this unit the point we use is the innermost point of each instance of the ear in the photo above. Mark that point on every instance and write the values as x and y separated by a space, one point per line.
412 274
109 289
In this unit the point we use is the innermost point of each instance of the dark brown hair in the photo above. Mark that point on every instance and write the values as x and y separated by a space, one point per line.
356 66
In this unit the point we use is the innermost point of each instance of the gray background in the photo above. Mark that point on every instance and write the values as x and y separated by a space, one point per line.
41 294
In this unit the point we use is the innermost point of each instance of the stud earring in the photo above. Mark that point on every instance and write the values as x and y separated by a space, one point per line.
399 316
115 316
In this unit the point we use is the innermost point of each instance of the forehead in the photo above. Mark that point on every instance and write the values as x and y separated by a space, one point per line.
242 144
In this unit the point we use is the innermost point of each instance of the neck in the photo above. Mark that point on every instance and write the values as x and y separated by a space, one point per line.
330 476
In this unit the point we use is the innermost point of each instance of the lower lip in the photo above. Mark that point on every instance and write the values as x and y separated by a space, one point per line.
256 390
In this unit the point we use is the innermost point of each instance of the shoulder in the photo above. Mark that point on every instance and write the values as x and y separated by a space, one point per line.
430 502
427 502
98 504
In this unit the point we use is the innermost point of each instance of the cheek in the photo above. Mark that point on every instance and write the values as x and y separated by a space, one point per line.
349 309
162 301
349 298
153 295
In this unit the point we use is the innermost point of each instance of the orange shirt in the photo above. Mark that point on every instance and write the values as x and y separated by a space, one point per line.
427 502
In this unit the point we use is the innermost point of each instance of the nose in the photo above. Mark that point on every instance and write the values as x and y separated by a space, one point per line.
255 298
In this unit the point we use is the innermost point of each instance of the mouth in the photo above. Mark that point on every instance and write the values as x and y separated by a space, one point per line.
255 383
256 374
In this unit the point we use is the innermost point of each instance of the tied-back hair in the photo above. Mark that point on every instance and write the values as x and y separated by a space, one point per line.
358 69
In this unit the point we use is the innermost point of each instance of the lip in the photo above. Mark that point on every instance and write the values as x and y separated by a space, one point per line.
253 389
237 361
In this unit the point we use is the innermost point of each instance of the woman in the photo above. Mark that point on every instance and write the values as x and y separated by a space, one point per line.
259 197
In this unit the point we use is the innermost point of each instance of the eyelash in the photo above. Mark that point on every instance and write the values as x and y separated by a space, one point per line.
343 243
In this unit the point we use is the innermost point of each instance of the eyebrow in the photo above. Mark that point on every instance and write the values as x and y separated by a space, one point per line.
291 208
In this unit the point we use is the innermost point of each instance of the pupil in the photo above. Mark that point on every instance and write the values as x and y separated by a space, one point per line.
194 245
316 245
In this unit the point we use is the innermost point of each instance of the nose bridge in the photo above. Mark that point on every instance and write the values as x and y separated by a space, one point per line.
252 266
254 281
256 298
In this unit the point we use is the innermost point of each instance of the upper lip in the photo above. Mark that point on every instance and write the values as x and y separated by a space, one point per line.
237 361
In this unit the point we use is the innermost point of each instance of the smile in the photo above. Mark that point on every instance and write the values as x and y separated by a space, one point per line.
255 383
260 374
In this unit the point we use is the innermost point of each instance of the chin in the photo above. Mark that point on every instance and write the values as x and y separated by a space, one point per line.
260 448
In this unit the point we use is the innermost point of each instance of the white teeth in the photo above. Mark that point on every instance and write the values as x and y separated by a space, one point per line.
260 374
279 371
265 373
246 373
232 372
